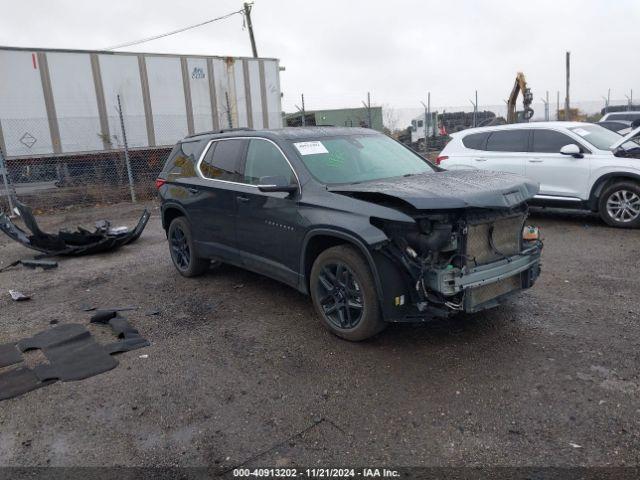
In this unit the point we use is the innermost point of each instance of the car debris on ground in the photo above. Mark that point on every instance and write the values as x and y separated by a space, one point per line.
18 296
71 351
32 263
80 242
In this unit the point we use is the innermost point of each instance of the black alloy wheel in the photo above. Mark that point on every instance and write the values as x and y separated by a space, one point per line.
340 295
180 249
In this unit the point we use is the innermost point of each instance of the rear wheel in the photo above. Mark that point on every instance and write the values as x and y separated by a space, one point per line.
183 254
344 294
619 205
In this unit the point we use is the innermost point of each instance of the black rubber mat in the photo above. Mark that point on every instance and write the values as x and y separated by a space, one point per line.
9 355
72 354
75 361
126 345
68 332
19 381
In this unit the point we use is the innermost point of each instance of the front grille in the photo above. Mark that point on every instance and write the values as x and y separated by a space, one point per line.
484 293
506 234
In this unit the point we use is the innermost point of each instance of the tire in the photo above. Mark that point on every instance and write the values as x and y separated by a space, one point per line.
619 205
182 251
344 294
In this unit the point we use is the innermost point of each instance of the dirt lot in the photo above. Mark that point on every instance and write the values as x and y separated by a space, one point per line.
241 372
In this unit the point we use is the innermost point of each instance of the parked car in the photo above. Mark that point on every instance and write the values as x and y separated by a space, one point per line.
621 127
628 116
577 165
372 231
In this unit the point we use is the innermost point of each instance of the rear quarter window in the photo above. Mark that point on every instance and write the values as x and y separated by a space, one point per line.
183 158
476 141
508 141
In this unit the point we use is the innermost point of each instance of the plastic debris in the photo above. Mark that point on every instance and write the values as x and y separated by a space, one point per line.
18 296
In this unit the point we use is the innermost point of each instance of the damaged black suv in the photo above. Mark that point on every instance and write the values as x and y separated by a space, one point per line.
372 231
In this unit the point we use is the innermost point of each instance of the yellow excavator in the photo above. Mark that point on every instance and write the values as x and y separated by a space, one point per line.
519 86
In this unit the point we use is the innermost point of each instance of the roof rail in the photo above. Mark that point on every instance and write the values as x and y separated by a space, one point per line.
224 130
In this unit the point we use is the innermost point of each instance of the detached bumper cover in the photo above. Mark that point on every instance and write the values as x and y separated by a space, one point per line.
81 242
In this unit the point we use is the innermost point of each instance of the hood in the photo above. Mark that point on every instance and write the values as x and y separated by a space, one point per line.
629 136
448 189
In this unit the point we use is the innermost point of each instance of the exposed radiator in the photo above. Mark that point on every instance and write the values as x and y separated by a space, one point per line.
506 234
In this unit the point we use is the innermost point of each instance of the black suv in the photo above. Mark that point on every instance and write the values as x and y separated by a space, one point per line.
370 229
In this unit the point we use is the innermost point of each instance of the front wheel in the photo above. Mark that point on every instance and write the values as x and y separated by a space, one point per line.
344 294
619 205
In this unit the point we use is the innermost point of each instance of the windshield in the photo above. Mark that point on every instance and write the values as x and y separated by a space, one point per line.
600 137
358 158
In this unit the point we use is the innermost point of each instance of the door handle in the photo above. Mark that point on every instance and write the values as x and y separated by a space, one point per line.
480 159
193 190
536 160
242 198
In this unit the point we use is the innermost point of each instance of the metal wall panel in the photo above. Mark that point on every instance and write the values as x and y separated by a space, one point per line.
121 76
221 82
65 101
23 112
167 99
76 106
272 80
253 67
198 76
239 103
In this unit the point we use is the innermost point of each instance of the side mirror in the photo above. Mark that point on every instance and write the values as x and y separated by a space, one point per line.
276 184
572 149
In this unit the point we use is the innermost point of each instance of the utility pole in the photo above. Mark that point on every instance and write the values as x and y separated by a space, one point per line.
426 139
303 121
558 105
247 15
426 106
368 107
475 110
567 103
546 107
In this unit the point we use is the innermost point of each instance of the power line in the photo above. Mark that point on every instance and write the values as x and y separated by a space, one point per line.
184 29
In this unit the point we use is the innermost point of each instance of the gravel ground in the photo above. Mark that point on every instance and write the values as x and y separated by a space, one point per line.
241 372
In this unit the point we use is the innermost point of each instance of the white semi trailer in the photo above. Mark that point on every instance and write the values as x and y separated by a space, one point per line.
64 102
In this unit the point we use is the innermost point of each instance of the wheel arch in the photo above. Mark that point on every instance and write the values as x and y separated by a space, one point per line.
170 212
318 240
604 181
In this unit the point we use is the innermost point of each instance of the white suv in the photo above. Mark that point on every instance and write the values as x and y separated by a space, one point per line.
578 165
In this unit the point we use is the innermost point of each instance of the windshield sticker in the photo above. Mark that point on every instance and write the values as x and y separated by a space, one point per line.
310 148
581 131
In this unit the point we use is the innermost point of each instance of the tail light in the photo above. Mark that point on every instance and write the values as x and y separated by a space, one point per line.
441 158
160 182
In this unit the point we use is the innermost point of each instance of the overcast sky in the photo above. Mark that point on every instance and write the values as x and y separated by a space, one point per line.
335 51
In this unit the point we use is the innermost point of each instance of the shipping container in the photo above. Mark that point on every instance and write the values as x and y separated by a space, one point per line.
65 102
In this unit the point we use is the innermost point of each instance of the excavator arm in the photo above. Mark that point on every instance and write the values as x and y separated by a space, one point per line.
520 85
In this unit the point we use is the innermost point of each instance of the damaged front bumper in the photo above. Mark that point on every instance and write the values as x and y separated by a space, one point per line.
81 242
484 286
463 261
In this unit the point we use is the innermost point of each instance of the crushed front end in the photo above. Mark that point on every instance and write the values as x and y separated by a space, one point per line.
456 261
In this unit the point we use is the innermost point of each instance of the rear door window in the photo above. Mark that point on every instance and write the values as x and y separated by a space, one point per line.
549 141
222 160
264 159
475 141
508 141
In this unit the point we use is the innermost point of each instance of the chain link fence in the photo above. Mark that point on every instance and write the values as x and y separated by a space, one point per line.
115 170
121 168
